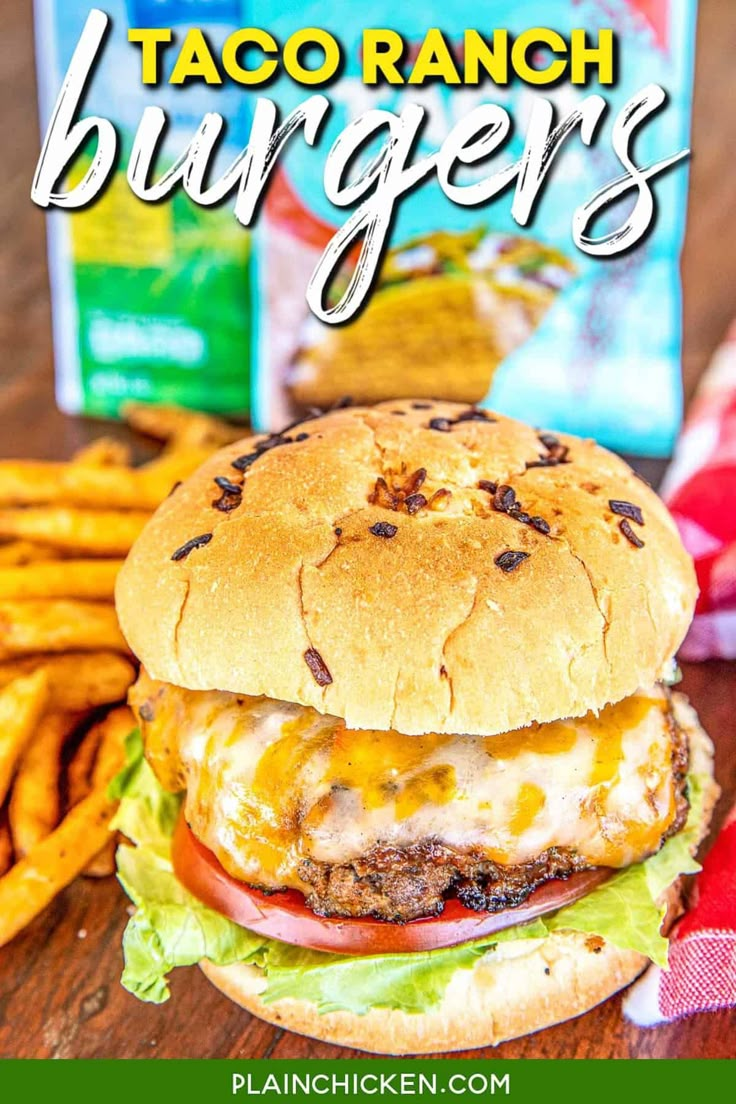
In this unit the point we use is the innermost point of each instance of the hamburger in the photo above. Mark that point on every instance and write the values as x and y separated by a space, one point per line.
411 775
468 299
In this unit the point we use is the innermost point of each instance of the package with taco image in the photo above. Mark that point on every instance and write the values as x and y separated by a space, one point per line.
468 305
482 292
150 301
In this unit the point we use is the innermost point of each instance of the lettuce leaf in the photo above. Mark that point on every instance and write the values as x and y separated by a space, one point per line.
410 982
172 928
147 813
621 911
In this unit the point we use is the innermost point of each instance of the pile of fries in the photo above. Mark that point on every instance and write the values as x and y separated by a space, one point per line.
65 668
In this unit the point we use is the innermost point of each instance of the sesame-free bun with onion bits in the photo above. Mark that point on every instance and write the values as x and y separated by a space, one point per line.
407 666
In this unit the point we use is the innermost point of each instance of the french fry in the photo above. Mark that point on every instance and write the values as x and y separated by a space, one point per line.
18 553
30 885
23 481
102 453
176 462
91 579
103 864
94 532
78 681
57 626
118 724
79 771
56 861
99 748
87 485
22 703
97 486
113 731
6 846
32 483
167 423
33 811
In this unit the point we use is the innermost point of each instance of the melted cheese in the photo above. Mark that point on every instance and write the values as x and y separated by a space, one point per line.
270 784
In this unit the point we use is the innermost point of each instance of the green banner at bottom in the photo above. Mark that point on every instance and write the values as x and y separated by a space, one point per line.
472 1079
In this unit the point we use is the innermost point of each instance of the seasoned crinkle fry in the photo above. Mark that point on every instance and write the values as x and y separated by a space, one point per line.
78 681
57 626
167 423
33 810
95 532
92 579
22 704
17 553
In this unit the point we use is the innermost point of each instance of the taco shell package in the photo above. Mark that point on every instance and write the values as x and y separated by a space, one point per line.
468 305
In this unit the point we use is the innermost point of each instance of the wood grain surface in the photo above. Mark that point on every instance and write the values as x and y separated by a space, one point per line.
59 989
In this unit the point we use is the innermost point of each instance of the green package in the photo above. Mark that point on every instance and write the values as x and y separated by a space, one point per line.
150 301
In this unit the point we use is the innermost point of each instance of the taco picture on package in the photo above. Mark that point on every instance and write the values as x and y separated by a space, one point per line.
447 309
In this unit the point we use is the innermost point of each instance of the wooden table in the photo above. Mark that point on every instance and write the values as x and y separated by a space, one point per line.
59 991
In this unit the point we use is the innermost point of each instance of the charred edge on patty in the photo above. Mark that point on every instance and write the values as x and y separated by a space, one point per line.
408 883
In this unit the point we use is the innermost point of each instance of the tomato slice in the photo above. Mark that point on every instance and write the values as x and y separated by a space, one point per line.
285 916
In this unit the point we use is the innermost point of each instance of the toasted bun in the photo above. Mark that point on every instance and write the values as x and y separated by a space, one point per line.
521 988
421 631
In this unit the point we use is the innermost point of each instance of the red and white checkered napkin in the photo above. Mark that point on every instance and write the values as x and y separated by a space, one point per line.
702 956
700 490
